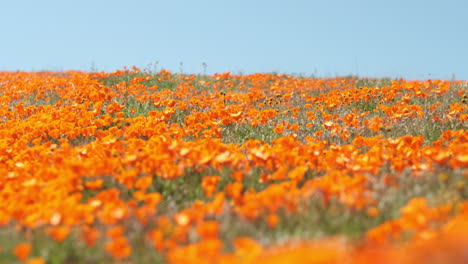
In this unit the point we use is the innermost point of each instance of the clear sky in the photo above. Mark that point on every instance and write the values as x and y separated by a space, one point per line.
414 39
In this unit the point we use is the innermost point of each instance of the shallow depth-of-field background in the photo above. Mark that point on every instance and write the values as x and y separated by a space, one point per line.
147 167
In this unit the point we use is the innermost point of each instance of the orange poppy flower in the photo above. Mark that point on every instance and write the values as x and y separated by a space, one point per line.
279 129
272 220
37 260
143 183
22 251
246 248
90 236
372 211
297 174
208 229
94 185
157 237
115 231
209 184
118 247
58 233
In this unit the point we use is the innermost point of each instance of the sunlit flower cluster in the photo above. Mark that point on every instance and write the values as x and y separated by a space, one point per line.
132 164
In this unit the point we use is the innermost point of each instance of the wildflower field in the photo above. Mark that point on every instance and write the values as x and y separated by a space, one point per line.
155 167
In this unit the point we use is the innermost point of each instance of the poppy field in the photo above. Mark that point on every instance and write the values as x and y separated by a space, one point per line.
136 166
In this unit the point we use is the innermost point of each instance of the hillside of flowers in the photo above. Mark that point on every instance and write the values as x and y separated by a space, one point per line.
136 166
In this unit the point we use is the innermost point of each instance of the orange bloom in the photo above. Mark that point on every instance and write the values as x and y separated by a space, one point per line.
90 235
94 185
157 237
294 127
272 220
182 219
234 190
114 107
118 247
209 184
280 173
297 174
115 232
143 183
238 175
22 251
279 129
208 229
246 248
58 233
372 211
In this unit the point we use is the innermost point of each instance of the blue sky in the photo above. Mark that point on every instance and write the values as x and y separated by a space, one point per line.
410 39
